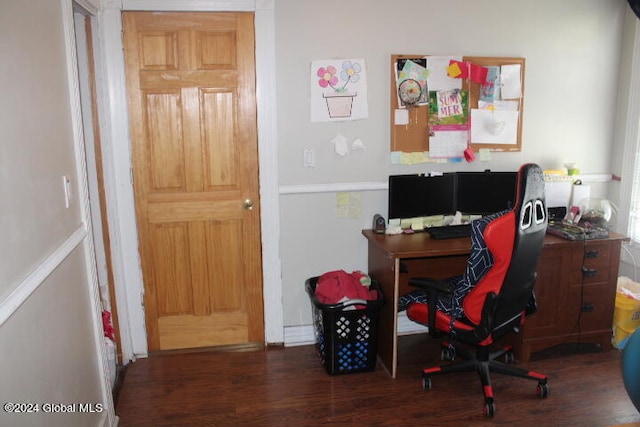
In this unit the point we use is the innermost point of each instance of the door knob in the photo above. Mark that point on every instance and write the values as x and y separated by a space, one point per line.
248 204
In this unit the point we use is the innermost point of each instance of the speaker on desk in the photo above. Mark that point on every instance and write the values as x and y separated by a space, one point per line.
379 225
556 214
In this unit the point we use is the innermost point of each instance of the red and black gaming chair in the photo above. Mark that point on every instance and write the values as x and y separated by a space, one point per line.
478 311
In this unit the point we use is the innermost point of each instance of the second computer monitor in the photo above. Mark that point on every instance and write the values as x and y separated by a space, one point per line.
483 193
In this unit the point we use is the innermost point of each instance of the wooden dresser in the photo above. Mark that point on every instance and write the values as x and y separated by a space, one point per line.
575 291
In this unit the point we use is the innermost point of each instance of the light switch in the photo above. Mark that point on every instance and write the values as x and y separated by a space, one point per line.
66 182
309 160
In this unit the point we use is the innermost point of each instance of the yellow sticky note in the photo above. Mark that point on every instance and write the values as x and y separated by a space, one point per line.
343 198
417 224
416 157
484 154
454 70
405 158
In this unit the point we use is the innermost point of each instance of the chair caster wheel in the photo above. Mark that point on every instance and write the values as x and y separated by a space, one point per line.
509 357
426 383
543 390
448 354
489 409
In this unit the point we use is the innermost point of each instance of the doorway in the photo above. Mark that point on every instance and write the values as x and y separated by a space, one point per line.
84 37
192 107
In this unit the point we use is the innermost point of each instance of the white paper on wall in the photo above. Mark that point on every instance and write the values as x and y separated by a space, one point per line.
438 76
448 143
511 86
338 90
494 127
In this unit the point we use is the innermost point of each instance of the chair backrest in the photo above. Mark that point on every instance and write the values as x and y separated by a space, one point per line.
515 241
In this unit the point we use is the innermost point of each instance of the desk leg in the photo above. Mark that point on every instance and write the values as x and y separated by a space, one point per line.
385 270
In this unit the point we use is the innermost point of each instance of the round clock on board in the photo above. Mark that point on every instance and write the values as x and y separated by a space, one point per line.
410 92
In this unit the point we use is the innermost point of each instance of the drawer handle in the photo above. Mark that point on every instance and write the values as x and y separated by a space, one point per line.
589 272
592 253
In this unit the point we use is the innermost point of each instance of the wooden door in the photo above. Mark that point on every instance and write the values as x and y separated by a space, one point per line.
191 97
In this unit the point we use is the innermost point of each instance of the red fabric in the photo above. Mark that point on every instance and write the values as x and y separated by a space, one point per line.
499 237
420 313
109 331
335 286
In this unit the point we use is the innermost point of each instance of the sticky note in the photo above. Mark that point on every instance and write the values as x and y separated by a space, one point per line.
484 154
417 224
460 68
342 198
401 116
454 70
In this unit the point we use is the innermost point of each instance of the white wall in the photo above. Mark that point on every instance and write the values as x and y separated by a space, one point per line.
572 50
48 354
49 323
37 140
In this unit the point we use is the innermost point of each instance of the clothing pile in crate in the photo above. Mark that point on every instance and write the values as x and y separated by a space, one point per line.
345 309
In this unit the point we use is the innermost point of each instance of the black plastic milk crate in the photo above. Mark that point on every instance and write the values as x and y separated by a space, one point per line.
346 334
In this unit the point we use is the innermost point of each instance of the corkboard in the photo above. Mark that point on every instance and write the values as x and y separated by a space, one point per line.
414 135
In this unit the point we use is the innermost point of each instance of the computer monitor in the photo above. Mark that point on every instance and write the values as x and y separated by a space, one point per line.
484 193
412 196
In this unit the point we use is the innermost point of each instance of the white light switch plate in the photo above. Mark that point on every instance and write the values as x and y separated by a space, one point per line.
309 160
66 182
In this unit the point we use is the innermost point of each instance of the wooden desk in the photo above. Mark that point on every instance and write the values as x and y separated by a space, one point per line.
575 289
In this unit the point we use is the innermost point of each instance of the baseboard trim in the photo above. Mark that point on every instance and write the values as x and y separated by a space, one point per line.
298 335
408 327
29 285
304 335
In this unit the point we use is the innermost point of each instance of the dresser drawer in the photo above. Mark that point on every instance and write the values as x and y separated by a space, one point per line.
596 262
598 301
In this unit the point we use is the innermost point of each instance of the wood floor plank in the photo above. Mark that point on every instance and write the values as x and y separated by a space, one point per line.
289 387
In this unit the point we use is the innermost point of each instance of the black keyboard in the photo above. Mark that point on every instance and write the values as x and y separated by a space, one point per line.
449 231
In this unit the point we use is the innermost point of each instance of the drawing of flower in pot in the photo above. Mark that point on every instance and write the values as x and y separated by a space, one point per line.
339 99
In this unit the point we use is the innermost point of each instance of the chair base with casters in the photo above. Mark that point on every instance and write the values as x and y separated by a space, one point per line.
493 297
482 358
483 362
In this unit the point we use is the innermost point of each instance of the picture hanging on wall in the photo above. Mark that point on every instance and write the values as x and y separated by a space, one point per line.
338 90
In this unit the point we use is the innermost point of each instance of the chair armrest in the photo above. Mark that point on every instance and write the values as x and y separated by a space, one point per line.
434 288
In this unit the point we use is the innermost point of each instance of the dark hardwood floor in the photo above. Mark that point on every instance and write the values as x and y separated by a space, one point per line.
289 387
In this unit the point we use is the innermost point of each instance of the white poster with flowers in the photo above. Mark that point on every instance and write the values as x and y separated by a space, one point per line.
338 90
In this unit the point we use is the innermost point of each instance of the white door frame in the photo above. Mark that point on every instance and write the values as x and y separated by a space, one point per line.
75 69
117 163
